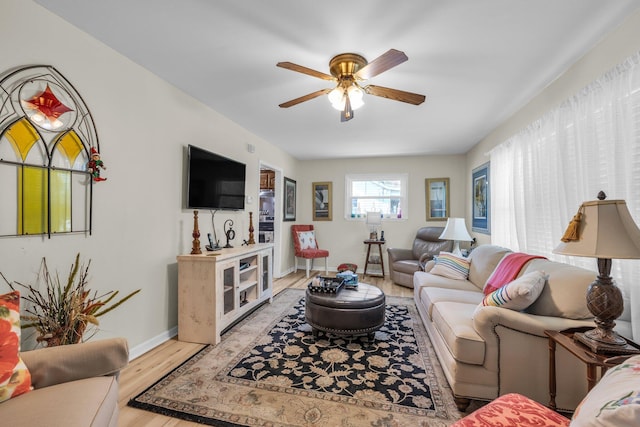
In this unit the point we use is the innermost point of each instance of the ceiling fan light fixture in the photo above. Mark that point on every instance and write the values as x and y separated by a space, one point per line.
337 98
355 96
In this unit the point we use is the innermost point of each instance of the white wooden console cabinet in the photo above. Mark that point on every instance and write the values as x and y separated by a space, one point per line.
217 288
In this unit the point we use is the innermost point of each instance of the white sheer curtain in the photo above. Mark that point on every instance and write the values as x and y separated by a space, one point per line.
541 175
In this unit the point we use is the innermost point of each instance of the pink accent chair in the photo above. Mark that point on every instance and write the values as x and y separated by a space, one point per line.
306 247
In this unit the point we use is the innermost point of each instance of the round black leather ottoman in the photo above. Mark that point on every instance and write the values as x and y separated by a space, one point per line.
349 312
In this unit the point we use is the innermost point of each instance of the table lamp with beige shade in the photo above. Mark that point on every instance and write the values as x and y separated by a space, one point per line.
603 229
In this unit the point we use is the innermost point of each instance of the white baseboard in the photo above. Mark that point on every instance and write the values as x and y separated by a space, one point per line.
146 346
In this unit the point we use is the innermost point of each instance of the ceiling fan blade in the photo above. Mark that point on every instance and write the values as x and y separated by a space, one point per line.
304 70
395 94
304 98
387 60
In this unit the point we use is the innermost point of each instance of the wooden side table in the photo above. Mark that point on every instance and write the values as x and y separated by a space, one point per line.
582 352
379 244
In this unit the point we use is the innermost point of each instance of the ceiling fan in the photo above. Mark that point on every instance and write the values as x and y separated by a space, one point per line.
348 70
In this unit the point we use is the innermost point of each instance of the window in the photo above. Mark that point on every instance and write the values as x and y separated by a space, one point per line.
376 193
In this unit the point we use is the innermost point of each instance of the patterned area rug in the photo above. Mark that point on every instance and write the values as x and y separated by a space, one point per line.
270 371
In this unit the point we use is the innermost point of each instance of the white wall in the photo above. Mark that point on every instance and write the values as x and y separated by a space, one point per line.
612 50
344 237
143 124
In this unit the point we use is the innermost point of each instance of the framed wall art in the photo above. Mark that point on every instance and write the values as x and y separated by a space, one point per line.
289 199
481 203
322 201
437 197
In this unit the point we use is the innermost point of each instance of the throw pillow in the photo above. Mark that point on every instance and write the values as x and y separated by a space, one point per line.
615 400
14 375
307 240
451 266
507 270
518 294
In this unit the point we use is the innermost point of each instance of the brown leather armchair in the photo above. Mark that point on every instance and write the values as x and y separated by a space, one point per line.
404 262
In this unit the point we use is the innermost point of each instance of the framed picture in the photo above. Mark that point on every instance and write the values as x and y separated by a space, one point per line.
289 199
437 198
481 203
322 201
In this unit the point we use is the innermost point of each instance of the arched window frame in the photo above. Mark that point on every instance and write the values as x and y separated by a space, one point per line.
77 134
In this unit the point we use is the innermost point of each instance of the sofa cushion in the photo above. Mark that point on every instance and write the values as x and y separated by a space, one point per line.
565 291
455 323
15 378
421 278
615 400
88 402
451 266
484 260
519 294
430 296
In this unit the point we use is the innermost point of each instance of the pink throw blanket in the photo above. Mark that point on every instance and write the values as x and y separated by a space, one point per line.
507 270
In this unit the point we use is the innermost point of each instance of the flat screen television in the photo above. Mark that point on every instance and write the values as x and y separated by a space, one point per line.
214 181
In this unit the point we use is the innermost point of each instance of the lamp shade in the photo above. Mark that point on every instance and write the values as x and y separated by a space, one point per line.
374 218
456 230
605 230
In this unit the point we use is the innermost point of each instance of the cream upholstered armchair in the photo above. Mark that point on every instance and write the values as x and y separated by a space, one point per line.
306 246
404 262
74 385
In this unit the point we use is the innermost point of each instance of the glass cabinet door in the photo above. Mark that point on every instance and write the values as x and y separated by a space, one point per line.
228 282
265 279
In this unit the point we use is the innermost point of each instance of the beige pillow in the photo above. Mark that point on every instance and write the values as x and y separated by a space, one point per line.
451 266
518 294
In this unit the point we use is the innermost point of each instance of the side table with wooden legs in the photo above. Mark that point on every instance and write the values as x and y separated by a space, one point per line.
582 352
378 243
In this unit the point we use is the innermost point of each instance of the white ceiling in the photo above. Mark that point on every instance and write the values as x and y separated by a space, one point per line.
477 61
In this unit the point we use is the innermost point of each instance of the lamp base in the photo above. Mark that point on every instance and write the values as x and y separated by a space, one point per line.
616 345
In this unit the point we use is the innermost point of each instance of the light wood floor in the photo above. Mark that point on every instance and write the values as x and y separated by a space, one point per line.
148 368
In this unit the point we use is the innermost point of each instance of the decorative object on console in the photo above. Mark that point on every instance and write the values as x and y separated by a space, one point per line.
603 229
456 230
228 232
62 311
196 236
252 240
374 220
348 70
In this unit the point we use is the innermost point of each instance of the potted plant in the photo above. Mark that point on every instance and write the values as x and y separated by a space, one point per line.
62 313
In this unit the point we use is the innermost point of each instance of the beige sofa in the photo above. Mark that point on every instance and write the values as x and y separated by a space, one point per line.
488 351
74 385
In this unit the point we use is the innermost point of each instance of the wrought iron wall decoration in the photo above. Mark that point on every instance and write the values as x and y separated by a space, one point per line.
47 135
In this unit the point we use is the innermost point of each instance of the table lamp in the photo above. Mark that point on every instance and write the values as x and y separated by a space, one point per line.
374 220
456 230
603 229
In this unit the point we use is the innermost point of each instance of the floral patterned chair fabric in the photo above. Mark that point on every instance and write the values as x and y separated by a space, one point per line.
305 246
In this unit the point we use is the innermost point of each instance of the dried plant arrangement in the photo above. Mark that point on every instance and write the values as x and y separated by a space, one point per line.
65 313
